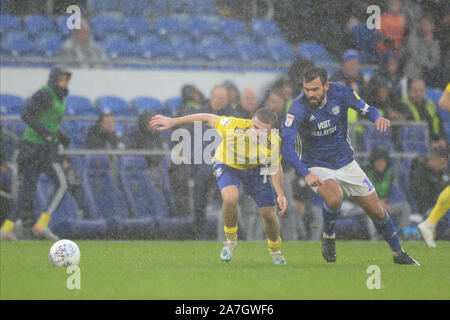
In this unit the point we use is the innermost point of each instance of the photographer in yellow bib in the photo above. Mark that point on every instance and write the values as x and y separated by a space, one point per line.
249 153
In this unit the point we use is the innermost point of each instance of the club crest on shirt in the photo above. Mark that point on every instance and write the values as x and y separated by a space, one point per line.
289 119
225 121
335 110
312 118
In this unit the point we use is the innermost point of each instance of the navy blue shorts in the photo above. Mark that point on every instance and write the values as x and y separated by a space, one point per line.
257 185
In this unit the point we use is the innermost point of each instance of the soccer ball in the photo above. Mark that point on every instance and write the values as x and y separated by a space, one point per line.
64 253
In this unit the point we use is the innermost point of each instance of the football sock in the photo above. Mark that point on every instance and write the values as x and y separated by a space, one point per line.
231 233
389 232
441 207
8 226
43 221
330 217
274 246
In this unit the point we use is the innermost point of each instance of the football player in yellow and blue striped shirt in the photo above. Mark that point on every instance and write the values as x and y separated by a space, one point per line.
249 153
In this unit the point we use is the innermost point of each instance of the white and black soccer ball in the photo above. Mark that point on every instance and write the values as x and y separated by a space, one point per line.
64 253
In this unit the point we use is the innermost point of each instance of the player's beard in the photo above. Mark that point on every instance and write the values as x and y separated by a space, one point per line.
314 102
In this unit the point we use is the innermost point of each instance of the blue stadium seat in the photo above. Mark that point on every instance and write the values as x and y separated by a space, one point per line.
147 206
202 8
143 104
50 46
366 42
102 198
219 51
281 52
61 23
315 52
79 105
155 49
66 221
160 8
101 6
136 26
251 52
136 8
263 28
374 138
433 94
37 23
11 104
16 128
172 104
199 27
20 46
9 22
412 139
114 105
103 25
188 51
168 26
231 28
120 48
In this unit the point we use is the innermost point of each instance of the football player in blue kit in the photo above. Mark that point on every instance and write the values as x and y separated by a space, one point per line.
316 143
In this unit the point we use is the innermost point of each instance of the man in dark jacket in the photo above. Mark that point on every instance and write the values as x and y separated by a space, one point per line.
39 153
103 134
428 176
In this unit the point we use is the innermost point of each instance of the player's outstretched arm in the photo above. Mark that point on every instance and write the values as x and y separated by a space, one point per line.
444 101
160 122
278 185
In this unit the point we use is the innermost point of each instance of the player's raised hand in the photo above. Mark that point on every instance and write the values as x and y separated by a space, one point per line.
160 122
313 181
382 124
282 203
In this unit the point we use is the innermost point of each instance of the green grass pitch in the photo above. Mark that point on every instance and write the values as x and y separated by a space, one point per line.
192 270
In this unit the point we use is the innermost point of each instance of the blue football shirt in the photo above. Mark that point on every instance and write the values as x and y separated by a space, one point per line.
318 137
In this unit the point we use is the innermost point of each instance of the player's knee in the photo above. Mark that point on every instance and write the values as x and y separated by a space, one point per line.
230 198
334 201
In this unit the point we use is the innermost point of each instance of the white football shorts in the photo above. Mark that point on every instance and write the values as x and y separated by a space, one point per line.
351 178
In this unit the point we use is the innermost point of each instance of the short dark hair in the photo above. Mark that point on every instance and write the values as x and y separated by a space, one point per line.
267 116
314 72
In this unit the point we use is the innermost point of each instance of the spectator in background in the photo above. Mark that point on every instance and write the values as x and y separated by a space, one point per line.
350 75
232 93
379 172
428 176
274 101
424 55
191 100
393 28
417 108
389 105
103 134
389 74
80 50
143 137
248 103
284 85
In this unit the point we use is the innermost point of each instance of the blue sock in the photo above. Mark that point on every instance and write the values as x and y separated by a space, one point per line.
389 232
330 217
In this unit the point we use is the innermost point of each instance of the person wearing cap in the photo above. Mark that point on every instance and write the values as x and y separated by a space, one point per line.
378 169
351 76
191 100
38 153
